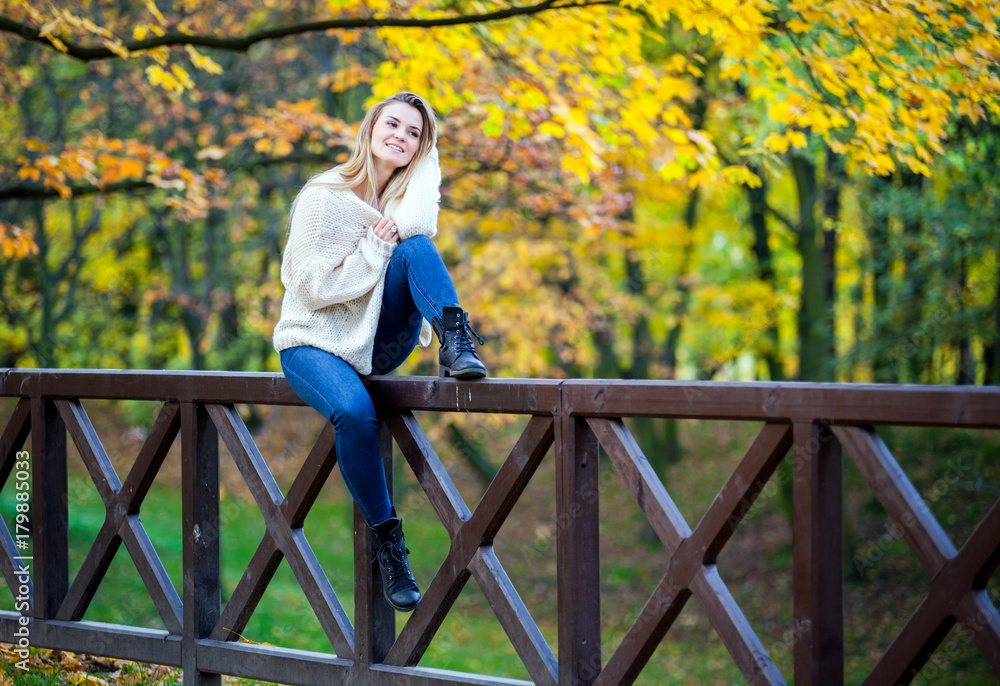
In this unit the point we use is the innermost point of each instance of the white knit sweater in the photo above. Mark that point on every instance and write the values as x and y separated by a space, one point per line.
333 266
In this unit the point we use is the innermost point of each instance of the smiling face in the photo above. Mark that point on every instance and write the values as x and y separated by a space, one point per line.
396 135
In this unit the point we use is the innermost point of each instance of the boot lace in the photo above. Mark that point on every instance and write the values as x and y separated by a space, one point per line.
463 343
391 556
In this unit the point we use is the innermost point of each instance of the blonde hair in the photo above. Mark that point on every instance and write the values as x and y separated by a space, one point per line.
359 170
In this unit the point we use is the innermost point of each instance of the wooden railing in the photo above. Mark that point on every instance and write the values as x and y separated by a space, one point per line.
576 416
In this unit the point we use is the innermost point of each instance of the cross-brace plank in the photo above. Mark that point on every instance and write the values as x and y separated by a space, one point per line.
958 579
693 554
11 441
471 550
121 520
290 541
258 574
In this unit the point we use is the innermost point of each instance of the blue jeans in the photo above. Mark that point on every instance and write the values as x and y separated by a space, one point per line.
417 286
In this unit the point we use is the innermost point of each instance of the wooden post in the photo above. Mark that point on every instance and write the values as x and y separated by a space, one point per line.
50 511
817 540
374 618
202 559
578 552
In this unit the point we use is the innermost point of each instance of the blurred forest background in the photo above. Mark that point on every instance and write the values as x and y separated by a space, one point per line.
715 191
673 190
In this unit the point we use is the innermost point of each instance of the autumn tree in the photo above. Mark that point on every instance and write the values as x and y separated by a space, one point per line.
571 124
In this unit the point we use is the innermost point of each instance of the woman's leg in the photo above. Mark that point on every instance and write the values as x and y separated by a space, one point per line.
417 274
417 287
333 388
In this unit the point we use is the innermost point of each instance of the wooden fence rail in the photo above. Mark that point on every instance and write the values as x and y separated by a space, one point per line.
570 419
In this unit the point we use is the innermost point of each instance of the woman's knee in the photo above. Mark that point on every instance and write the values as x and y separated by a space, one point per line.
355 412
415 245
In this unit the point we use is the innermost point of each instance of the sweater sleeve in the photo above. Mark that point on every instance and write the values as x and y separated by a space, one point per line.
417 212
326 264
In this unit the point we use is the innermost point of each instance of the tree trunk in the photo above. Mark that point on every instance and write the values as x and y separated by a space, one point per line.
765 267
966 363
815 337
46 325
991 353
918 358
834 180
884 368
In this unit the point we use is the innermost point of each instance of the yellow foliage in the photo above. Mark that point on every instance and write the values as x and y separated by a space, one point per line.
203 62
349 77
552 129
151 6
741 175
157 76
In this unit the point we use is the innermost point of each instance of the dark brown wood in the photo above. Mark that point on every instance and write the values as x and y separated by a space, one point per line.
501 396
249 590
377 675
374 618
431 474
979 616
13 437
514 617
153 452
311 478
742 488
91 573
435 603
509 396
9 563
200 537
578 552
291 542
900 499
167 385
11 441
958 578
273 663
479 529
971 406
50 512
574 414
104 477
654 501
301 495
510 481
137 484
91 450
97 638
817 556
733 628
471 550
792 402
290 666
122 519
672 593
693 554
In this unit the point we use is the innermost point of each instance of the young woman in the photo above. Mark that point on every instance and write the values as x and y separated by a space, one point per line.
362 279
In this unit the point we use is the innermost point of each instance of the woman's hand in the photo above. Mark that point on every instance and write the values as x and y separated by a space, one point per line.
386 230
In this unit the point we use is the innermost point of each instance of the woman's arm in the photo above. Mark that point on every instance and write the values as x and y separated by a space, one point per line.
417 212
325 264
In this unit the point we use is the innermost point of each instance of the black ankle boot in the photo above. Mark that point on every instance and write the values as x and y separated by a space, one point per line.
398 584
457 356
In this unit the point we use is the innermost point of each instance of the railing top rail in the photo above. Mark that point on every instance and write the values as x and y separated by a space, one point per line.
830 403
513 396
833 403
